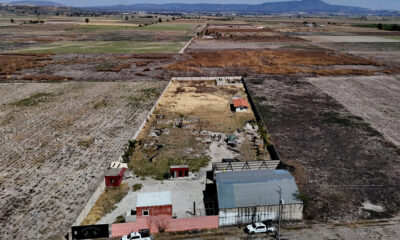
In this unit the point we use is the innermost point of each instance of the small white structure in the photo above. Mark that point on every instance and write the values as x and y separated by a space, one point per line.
240 105
118 165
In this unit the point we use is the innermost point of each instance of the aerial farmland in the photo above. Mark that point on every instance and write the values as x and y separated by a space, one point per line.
173 98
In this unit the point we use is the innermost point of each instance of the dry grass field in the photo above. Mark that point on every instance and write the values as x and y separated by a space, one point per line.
204 110
56 141
293 61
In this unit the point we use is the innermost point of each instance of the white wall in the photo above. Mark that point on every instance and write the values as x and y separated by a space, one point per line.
234 216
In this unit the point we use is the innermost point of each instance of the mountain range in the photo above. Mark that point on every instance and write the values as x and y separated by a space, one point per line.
37 3
285 7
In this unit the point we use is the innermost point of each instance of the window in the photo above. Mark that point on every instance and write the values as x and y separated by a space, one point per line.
145 213
111 180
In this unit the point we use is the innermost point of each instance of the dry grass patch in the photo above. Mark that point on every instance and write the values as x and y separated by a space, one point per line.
106 203
273 61
13 63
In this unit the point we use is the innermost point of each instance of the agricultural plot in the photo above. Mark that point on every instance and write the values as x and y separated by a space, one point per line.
84 67
56 141
375 39
345 169
375 99
282 61
74 35
107 47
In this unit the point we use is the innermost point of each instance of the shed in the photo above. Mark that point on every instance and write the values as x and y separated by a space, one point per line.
240 105
178 171
114 177
154 204
252 196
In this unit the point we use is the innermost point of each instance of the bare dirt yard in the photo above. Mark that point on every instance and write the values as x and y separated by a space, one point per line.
182 127
56 141
341 163
375 99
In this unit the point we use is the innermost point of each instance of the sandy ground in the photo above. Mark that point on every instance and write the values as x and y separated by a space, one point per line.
374 98
347 39
54 152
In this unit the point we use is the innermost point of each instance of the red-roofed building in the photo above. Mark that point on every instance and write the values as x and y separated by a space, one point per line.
240 105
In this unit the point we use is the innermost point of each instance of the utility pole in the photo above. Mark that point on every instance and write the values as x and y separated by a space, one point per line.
280 212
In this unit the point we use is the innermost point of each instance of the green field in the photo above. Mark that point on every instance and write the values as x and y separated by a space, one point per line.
107 47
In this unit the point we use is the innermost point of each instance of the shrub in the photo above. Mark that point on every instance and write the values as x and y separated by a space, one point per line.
137 187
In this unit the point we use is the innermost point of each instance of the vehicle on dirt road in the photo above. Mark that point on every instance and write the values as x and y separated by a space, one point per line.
259 228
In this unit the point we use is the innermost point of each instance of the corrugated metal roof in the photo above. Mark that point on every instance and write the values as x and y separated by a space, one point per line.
153 199
255 188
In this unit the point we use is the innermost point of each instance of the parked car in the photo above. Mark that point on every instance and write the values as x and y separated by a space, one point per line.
142 234
259 228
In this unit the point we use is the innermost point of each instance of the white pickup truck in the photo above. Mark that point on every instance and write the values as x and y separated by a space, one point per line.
143 235
259 228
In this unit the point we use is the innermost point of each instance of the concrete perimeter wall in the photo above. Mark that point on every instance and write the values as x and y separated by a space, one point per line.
205 78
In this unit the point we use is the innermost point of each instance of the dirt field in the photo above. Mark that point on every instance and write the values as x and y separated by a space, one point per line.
340 161
84 67
375 99
348 39
56 140
283 61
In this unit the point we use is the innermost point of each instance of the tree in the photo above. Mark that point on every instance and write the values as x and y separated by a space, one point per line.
87 20
12 20
173 18
380 26
159 20
396 27
126 18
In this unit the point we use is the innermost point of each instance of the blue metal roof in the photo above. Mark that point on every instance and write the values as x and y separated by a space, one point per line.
255 188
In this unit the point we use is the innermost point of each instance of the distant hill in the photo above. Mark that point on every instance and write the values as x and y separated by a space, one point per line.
291 7
38 3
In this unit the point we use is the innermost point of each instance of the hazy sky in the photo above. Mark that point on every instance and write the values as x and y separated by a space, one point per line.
374 4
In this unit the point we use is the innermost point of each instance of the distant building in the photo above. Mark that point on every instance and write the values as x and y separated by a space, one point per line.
252 196
178 171
154 204
114 177
240 105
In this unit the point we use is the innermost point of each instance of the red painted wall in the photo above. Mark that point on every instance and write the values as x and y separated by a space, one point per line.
155 210
180 172
115 181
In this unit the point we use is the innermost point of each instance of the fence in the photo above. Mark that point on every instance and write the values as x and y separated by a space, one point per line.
271 149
